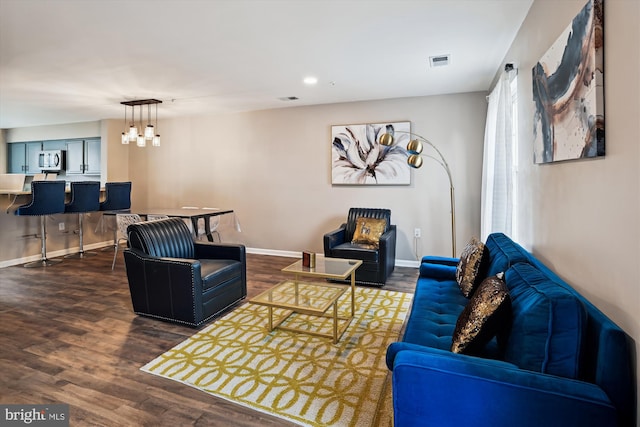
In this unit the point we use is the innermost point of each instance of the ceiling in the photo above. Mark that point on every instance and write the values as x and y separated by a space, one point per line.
66 61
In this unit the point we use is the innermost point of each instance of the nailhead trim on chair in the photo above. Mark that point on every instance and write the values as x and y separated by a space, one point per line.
191 323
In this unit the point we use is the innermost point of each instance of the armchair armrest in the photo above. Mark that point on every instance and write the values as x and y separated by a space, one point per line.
334 238
157 286
432 388
208 250
387 243
387 251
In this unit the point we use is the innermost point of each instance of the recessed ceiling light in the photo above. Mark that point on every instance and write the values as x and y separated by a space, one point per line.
310 80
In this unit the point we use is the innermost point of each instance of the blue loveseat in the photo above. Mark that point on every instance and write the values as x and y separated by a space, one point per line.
565 363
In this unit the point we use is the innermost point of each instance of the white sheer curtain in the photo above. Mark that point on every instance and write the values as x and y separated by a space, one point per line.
497 168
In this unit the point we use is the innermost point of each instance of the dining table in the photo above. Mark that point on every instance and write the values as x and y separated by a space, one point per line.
192 214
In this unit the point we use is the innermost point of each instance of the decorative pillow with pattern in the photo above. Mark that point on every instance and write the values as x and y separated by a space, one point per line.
368 231
472 267
487 314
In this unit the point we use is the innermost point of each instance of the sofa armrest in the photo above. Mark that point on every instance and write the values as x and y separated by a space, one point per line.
440 260
439 268
395 348
334 238
432 388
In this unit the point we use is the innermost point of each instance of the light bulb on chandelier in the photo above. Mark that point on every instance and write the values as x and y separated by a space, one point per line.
148 131
156 139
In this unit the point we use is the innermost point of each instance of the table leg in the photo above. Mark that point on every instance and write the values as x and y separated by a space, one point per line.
194 226
335 322
270 319
15 197
207 227
353 294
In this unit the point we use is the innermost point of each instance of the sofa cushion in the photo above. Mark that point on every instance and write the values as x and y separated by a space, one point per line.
368 231
548 323
503 253
435 308
472 266
487 314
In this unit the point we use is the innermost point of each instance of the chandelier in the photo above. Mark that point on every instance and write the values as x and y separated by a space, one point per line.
150 133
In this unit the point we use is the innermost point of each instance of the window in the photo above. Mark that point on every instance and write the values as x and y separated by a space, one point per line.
499 167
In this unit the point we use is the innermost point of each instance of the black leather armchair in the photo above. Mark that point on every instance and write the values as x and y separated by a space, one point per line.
377 264
173 278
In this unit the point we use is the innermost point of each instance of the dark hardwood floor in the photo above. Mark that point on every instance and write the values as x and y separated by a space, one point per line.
68 335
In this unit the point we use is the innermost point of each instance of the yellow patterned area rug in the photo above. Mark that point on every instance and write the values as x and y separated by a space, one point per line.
299 377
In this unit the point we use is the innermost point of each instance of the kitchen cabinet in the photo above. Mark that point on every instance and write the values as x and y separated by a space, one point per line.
83 156
56 144
23 157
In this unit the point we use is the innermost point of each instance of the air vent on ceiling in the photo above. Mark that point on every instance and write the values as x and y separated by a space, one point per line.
288 98
439 61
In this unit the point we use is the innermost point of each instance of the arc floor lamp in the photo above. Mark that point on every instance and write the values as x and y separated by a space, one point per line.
415 147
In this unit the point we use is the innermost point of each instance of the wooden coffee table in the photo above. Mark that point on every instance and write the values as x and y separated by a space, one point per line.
315 299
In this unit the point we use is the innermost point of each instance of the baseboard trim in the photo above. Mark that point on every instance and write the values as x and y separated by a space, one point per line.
257 251
53 254
293 254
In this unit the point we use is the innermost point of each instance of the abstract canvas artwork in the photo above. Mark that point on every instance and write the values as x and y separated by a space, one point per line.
568 91
357 157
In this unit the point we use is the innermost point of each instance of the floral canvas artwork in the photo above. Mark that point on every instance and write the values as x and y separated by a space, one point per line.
358 158
568 91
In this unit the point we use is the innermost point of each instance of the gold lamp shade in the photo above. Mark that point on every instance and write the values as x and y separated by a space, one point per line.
415 161
414 147
386 139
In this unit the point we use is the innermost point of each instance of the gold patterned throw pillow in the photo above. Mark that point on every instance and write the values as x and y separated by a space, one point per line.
472 266
487 314
368 231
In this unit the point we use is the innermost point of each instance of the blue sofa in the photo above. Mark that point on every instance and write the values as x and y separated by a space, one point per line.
565 363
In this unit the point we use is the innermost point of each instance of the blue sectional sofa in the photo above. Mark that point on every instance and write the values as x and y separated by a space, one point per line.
564 363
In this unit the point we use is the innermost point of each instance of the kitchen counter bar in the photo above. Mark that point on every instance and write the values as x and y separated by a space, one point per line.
20 239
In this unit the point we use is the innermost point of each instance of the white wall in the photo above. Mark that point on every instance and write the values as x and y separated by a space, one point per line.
65 131
3 151
274 168
581 217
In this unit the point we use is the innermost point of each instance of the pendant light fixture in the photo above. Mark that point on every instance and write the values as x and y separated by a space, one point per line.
150 133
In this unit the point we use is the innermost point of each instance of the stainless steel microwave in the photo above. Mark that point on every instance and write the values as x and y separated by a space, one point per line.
51 160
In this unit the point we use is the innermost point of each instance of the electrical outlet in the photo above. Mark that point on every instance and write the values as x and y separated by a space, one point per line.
61 226
417 233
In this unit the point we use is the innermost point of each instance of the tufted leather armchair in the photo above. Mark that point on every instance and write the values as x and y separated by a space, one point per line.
377 264
175 279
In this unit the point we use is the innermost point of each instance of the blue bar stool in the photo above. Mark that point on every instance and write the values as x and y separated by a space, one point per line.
47 198
117 198
85 197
